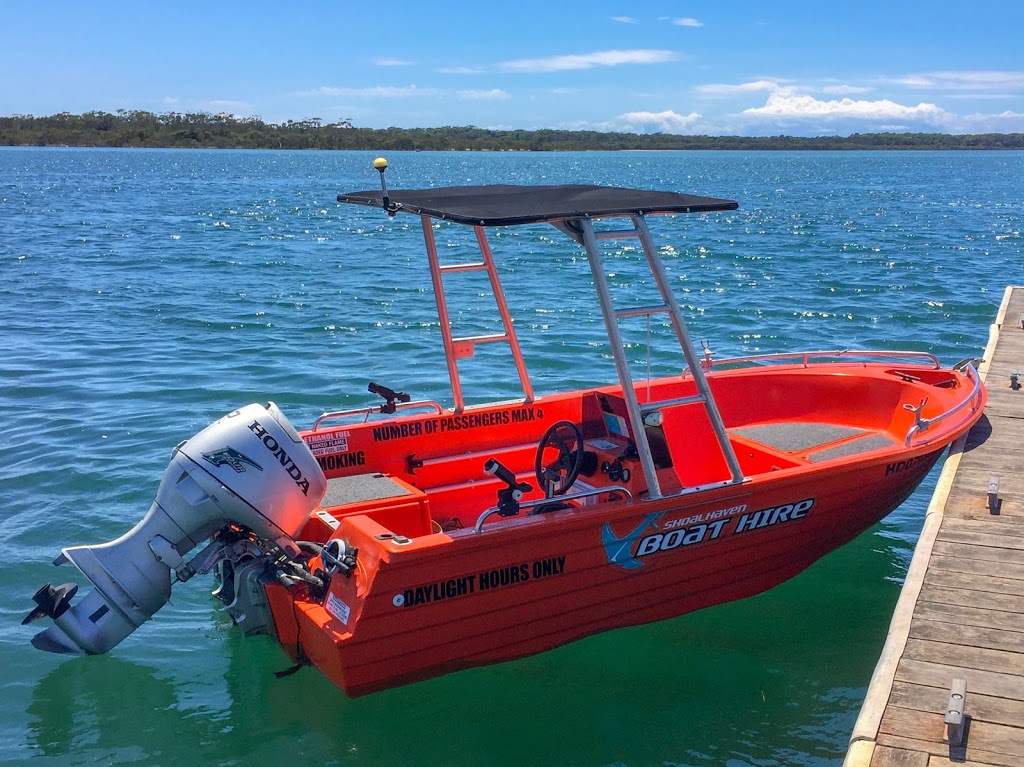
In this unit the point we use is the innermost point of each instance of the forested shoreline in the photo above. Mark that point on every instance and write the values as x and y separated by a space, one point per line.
133 128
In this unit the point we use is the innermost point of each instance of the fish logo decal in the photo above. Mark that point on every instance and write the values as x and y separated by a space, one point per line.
618 549
227 455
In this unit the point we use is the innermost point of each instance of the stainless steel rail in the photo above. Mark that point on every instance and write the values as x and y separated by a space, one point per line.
822 357
922 425
371 409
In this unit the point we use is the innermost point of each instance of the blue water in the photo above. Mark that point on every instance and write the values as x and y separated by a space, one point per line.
144 293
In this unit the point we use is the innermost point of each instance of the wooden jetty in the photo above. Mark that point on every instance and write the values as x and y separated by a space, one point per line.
961 613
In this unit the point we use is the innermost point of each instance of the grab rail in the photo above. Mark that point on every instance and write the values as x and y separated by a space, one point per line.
922 425
823 357
371 409
478 527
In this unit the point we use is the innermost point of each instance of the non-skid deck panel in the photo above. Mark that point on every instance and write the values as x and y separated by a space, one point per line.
360 487
796 437
968 619
863 444
816 442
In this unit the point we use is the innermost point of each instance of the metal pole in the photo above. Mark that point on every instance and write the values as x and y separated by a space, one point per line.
442 312
611 325
689 352
506 318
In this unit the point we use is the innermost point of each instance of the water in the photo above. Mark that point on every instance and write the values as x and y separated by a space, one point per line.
145 293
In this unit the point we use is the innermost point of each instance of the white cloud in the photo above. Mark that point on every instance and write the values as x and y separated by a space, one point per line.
975 96
1004 122
461 70
588 61
494 94
686 22
665 122
911 81
624 19
964 80
787 104
385 62
845 90
377 91
726 89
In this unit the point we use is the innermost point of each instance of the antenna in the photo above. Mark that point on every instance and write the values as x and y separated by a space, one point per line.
381 164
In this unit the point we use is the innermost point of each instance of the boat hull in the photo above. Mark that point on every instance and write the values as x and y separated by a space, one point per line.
423 610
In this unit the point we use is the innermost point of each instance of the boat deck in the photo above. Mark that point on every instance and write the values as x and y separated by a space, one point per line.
961 612
817 441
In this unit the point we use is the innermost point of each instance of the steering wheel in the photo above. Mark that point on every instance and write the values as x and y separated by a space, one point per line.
566 438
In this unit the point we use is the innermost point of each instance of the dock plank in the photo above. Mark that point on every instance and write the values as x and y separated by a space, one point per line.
1005 527
980 658
990 683
986 742
980 707
979 513
969 755
970 616
980 553
993 540
963 562
943 761
886 756
1003 602
971 636
988 583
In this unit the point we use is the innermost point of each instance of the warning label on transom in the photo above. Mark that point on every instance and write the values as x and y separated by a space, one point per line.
338 608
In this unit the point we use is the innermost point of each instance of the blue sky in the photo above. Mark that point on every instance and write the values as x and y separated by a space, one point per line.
736 68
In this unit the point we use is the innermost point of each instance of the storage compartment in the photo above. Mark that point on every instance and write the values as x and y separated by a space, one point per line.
756 459
390 502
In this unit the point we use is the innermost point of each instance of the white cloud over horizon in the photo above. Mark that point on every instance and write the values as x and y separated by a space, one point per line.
687 22
728 89
787 104
843 90
667 121
375 91
461 70
763 106
963 80
494 94
572 62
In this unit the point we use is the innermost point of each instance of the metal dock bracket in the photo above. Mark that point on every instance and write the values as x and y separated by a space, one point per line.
955 718
993 495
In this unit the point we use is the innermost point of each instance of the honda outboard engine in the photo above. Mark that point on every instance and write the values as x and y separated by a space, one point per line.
249 476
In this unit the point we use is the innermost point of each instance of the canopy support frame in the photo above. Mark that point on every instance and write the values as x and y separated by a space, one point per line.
582 230
453 345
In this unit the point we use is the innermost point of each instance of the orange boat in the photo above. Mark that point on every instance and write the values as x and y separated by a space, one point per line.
406 540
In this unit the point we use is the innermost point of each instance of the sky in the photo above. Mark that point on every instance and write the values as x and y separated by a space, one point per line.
721 68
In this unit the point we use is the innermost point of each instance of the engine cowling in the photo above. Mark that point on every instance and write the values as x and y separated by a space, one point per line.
250 469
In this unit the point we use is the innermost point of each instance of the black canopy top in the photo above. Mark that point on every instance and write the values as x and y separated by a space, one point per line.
505 204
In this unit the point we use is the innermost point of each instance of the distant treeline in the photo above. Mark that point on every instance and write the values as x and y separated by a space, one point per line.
199 129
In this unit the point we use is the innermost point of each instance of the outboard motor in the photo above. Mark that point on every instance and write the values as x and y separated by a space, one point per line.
249 472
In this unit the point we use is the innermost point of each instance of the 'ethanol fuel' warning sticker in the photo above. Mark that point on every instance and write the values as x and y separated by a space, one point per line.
338 608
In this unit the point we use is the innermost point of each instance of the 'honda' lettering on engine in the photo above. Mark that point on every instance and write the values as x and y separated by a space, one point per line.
271 443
